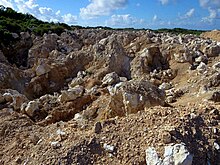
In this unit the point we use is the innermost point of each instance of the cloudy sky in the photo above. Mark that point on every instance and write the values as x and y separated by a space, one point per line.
192 14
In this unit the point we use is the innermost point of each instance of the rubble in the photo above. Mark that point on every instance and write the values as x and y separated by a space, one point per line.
95 96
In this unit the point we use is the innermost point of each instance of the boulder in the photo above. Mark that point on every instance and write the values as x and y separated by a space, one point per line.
15 98
202 67
133 96
71 94
174 154
31 108
177 155
110 79
212 50
76 81
152 157
146 61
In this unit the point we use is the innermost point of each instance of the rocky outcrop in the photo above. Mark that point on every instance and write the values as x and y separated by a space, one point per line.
146 61
133 96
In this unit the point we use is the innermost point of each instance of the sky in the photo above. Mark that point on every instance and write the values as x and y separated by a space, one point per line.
153 14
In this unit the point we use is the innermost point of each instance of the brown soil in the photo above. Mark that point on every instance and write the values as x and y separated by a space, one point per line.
215 35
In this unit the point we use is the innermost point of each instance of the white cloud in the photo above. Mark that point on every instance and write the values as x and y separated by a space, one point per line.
6 3
164 2
155 18
123 21
40 12
213 14
69 18
213 6
101 7
210 3
190 13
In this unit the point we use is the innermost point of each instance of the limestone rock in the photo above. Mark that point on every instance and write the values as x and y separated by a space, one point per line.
132 96
71 94
152 157
31 108
202 67
165 86
76 81
178 154
110 79
174 154
146 61
15 98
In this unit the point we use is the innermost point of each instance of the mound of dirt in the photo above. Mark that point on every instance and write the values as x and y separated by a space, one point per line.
215 35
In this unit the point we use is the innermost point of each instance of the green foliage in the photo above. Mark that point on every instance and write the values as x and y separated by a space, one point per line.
14 22
179 31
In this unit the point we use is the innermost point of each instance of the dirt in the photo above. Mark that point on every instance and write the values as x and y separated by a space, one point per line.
215 35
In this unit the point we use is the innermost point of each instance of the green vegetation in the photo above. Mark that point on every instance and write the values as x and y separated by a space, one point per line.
180 31
14 22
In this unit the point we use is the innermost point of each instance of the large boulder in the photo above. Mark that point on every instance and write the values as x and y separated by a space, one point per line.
133 96
212 50
146 61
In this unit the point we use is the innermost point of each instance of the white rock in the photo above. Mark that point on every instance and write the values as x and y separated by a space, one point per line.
173 155
18 100
178 154
216 66
71 94
216 146
110 79
55 144
165 86
31 108
76 81
152 157
108 148
103 41
202 67
15 98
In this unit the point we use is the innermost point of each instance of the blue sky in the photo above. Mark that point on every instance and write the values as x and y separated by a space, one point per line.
154 14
